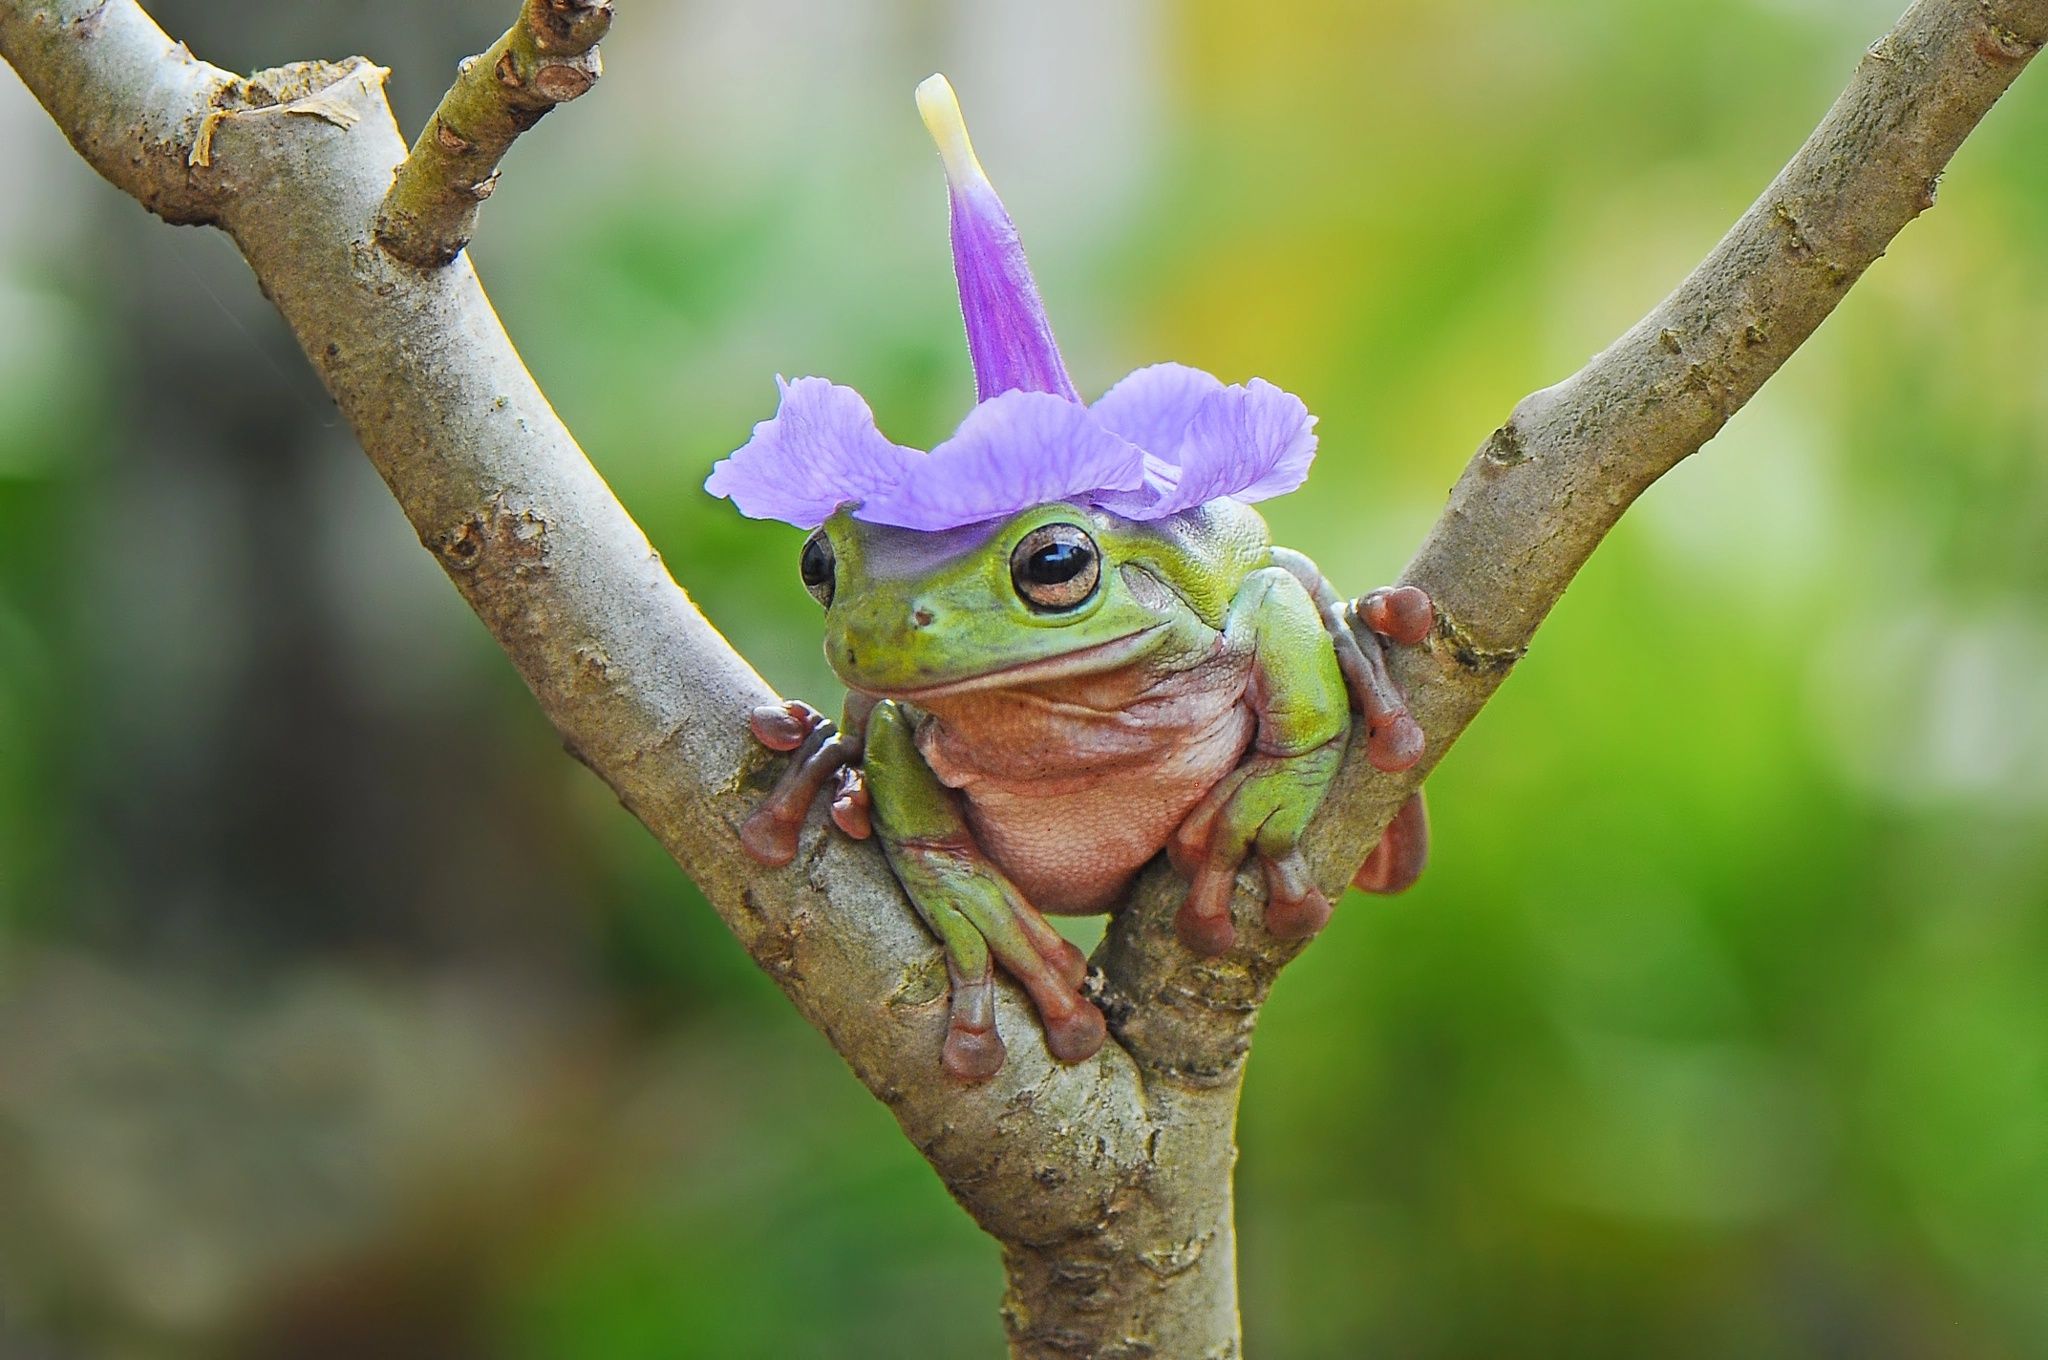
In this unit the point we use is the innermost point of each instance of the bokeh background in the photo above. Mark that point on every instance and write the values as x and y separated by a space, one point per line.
1719 1026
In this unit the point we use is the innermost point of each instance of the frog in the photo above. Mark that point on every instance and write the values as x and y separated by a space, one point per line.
1070 644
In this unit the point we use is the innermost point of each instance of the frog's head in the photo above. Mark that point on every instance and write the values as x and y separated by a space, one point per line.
1056 591
1046 531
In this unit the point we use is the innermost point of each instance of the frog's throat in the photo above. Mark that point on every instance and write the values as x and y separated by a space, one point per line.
1103 656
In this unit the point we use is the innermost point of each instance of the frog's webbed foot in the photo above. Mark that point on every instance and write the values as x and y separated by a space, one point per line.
980 919
821 754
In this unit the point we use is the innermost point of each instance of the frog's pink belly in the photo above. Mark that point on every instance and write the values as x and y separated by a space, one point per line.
1072 840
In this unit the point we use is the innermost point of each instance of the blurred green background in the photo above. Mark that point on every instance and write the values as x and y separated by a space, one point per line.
1719 1026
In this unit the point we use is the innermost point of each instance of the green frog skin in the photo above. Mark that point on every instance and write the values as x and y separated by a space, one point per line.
1039 706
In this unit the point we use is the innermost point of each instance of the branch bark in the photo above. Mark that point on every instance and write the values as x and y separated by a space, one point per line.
1107 1183
1546 487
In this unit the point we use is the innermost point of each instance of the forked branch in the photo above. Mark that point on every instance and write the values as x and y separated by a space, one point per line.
1107 1183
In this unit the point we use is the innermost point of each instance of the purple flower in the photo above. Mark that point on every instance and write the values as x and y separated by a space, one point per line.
1164 440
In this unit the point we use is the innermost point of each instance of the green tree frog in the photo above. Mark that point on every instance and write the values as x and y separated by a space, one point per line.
1069 644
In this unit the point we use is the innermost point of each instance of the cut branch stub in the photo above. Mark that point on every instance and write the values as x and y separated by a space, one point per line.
548 57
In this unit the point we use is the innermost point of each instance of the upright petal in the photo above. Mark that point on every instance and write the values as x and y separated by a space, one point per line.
1249 443
1015 451
1008 336
819 452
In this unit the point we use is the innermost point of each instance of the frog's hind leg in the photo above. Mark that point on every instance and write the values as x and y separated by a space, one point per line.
1049 968
975 911
973 1051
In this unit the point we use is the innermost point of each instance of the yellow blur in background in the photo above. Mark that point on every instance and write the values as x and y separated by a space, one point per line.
342 1014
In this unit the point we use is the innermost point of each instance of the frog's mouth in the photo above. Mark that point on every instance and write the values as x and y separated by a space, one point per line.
1102 656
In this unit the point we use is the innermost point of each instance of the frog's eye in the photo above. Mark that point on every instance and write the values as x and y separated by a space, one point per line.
1056 566
818 565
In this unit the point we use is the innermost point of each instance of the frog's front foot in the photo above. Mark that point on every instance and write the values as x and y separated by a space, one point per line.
1402 615
1260 808
822 754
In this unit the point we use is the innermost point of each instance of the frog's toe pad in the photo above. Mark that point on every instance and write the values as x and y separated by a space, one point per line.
1298 918
972 1055
1078 1036
1395 744
1209 936
783 727
1402 614
769 838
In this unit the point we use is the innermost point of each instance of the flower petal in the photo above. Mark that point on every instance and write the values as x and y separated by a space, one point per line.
1249 443
1008 335
1154 406
1015 451
819 452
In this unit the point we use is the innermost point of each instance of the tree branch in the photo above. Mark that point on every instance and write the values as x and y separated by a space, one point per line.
549 56
1549 484
1107 1183
138 121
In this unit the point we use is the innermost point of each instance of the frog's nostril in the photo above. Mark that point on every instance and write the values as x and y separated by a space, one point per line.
921 616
